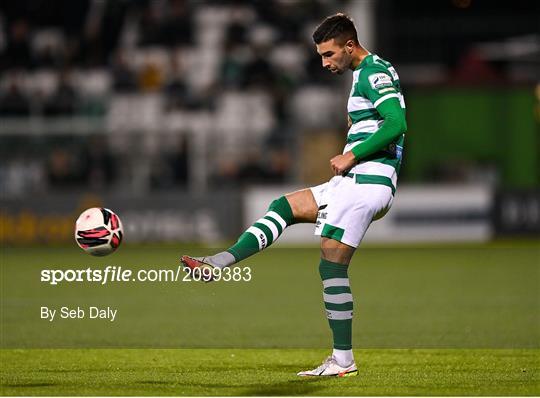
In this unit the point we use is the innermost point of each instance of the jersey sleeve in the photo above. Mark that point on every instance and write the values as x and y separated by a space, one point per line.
376 84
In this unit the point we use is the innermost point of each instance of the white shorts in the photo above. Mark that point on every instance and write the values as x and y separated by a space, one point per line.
346 208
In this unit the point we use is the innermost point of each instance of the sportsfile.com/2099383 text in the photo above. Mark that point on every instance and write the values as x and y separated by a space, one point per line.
113 273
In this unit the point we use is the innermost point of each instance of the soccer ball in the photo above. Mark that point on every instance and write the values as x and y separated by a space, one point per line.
98 231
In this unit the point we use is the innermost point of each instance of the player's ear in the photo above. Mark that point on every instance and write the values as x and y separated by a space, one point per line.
349 46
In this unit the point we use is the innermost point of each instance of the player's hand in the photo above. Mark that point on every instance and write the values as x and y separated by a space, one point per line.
341 164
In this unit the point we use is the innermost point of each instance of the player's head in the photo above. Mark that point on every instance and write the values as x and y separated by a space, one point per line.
336 39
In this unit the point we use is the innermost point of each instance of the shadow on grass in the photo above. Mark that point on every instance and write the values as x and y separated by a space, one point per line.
301 387
25 385
155 382
297 387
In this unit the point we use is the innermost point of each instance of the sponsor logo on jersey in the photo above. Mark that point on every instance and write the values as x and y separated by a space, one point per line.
395 150
399 152
379 80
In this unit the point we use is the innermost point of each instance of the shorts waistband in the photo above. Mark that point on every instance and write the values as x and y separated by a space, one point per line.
372 179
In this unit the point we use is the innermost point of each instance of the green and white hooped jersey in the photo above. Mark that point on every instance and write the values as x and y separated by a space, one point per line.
374 81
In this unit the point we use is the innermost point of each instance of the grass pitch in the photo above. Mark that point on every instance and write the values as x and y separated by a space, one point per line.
266 372
449 320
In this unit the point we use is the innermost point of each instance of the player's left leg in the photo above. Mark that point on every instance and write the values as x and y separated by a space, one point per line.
295 207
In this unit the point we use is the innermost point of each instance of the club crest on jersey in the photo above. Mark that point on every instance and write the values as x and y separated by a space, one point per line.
379 80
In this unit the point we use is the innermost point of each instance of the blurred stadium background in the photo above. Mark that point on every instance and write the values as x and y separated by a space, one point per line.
188 117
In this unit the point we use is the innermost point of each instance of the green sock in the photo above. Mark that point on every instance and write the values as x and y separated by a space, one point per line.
264 231
338 302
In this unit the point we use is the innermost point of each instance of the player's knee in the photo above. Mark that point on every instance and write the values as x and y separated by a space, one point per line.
335 251
303 206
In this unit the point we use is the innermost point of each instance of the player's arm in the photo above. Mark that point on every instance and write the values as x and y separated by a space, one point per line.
379 88
394 125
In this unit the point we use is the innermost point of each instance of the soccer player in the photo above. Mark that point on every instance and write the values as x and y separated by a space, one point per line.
361 191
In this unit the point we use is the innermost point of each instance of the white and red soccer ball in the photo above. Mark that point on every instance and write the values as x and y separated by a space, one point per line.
98 231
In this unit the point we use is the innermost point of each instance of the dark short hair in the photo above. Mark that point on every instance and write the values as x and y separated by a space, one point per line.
339 27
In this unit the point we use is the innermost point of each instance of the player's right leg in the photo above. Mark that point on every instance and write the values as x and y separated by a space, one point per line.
293 208
351 209
338 303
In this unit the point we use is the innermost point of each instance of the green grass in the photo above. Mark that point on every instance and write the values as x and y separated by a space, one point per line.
431 320
266 372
